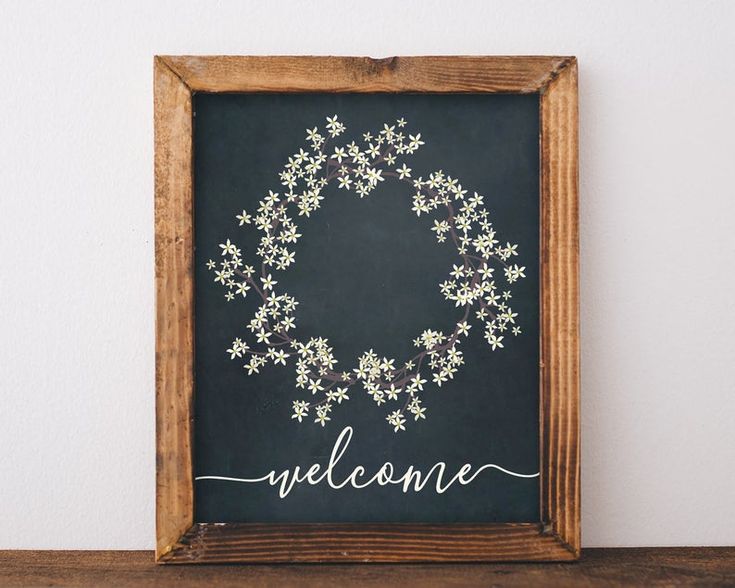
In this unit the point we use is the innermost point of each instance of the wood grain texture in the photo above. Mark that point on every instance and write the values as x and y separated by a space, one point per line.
179 540
560 378
174 307
679 566
363 74
350 542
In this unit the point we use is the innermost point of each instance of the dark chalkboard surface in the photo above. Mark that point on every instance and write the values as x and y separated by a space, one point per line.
366 274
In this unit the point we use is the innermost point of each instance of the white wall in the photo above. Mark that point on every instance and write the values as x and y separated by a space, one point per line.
657 83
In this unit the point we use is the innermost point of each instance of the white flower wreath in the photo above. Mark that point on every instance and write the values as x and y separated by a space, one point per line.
470 284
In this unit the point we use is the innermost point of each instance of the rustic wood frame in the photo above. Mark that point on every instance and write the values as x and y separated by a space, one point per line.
179 538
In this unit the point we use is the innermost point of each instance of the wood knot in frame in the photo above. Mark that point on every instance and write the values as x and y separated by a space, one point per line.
378 66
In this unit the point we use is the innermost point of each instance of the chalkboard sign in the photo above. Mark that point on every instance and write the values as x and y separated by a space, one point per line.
367 298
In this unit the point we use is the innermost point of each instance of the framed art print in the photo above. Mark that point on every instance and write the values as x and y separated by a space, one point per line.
367 309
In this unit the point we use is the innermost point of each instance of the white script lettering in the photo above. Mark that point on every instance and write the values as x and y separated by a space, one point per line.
411 479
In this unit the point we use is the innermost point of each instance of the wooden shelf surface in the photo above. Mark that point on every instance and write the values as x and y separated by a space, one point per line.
701 566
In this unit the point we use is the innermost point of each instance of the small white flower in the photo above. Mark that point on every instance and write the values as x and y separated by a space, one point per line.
252 366
415 141
513 273
313 135
396 419
263 336
393 392
494 341
418 382
228 248
439 378
315 386
268 282
300 409
341 394
344 182
280 357
339 154
335 128
244 218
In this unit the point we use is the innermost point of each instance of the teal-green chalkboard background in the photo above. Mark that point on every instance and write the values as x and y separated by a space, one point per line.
366 276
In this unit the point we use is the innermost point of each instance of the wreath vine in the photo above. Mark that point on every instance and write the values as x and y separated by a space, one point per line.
470 284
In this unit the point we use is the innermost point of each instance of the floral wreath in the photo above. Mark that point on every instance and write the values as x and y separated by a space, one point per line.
470 284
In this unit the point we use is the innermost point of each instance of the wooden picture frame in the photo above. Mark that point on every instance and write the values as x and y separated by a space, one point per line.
557 536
